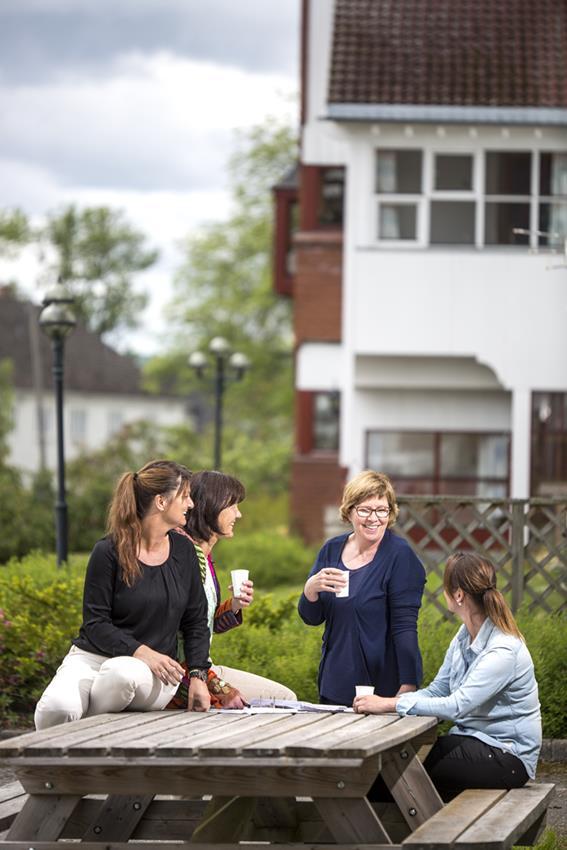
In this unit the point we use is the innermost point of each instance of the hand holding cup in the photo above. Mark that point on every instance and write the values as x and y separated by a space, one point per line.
329 580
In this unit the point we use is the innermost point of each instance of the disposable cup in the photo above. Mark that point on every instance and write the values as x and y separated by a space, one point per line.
364 690
344 590
238 576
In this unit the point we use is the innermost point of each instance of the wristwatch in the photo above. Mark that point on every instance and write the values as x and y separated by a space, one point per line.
198 673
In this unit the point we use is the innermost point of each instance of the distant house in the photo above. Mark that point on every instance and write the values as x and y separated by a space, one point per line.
415 241
103 390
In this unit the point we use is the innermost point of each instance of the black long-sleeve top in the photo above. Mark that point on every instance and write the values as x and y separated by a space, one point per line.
164 600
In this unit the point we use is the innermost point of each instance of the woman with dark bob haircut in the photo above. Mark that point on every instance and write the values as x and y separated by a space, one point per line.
216 499
370 633
486 686
142 587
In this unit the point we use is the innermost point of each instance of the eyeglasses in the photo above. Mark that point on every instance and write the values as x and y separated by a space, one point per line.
365 513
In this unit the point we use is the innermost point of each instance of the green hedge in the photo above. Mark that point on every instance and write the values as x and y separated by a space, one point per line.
40 611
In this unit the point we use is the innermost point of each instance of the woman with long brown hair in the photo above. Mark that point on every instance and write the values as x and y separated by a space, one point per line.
217 498
142 586
486 686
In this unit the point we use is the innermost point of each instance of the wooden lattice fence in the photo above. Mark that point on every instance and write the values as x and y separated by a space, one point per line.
526 540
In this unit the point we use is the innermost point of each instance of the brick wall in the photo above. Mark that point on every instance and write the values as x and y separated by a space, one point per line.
317 288
317 483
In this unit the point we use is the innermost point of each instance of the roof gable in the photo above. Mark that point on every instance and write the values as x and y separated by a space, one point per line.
90 365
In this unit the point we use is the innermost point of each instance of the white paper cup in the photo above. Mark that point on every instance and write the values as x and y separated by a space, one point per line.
238 576
344 591
364 690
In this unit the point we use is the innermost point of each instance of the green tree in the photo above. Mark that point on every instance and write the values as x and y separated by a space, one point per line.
14 230
96 251
225 288
97 254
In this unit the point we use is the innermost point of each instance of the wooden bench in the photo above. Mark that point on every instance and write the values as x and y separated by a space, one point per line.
484 819
12 799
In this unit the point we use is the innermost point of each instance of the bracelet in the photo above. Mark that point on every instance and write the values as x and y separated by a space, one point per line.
198 673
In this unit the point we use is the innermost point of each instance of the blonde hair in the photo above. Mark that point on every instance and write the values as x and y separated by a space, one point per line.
476 576
368 485
130 503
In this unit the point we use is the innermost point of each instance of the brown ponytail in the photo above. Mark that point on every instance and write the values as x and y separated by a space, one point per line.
476 576
130 503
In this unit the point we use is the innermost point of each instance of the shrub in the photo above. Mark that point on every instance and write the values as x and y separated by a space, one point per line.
37 622
273 559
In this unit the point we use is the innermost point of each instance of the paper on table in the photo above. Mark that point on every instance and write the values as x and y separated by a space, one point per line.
295 705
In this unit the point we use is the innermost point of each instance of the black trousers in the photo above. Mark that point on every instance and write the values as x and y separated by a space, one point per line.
457 762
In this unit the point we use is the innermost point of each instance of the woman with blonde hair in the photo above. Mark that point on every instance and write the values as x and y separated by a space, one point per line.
370 634
486 686
142 586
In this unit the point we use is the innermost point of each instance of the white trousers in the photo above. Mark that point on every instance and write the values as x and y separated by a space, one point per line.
252 686
87 683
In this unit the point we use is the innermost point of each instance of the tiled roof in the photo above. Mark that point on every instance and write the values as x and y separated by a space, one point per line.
90 365
450 52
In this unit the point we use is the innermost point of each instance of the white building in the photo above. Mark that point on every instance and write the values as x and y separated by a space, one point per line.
103 391
431 132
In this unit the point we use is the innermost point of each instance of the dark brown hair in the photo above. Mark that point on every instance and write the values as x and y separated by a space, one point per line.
130 503
476 576
211 492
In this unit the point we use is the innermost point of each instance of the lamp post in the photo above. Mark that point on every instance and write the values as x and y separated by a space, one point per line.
57 321
237 364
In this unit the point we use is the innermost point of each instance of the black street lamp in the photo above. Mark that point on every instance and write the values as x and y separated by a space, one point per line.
238 364
58 321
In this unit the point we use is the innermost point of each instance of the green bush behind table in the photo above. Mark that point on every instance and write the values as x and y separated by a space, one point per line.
40 611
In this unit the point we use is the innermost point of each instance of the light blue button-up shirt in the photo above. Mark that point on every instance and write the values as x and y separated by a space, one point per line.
488 688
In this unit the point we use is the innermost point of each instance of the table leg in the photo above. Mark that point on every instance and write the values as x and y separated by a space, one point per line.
224 820
352 820
118 817
410 785
43 817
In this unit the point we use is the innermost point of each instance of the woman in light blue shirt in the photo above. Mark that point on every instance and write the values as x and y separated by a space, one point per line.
486 686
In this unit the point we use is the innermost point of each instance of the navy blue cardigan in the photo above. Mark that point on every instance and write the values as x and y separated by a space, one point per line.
370 637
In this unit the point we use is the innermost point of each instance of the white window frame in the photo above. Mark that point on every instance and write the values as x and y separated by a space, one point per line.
401 198
433 194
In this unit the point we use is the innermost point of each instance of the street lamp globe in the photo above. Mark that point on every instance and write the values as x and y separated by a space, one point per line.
219 346
57 319
240 363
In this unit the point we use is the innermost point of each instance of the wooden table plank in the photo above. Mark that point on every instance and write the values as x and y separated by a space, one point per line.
8 792
266 741
352 819
174 845
410 785
58 745
117 818
214 737
43 817
445 826
176 738
11 747
508 819
344 739
152 725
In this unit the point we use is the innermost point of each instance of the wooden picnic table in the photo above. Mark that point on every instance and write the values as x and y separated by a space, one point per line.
297 778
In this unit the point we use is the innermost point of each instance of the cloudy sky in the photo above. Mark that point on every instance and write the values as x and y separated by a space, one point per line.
134 104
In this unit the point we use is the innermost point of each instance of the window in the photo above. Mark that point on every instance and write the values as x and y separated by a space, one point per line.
115 421
331 200
439 198
442 462
453 172
398 221
78 425
326 409
398 173
507 176
552 218
549 443
452 223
